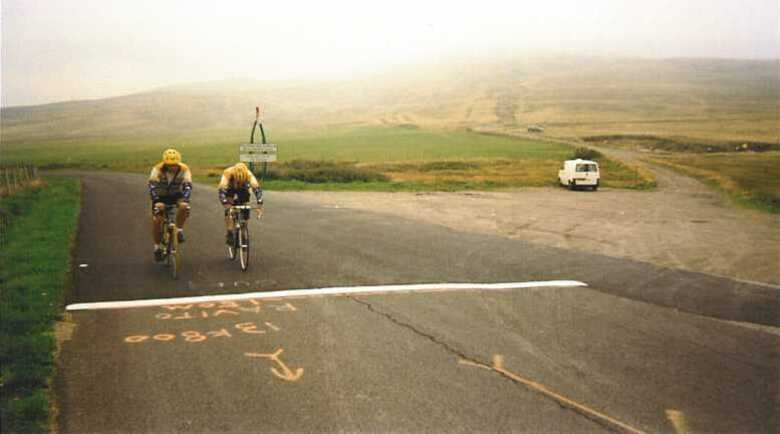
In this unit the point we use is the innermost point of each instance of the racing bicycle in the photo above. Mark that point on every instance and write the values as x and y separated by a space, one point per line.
170 241
240 245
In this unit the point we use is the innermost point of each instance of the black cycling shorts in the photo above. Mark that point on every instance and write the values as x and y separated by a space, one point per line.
169 200
238 197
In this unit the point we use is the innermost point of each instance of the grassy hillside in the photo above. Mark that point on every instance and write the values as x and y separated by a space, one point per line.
420 116
699 99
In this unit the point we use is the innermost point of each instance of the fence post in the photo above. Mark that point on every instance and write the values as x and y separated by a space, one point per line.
4 223
7 181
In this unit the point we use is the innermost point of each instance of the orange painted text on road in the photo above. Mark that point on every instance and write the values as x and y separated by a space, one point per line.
193 336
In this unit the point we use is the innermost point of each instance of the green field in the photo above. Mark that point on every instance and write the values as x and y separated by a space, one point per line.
752 179
387 144
368 144
35 270
407 158
402 123
421 116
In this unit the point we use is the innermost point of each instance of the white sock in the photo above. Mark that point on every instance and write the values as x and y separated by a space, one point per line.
181 229
156 247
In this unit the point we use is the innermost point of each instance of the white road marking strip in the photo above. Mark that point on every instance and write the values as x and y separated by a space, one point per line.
340 290
677 418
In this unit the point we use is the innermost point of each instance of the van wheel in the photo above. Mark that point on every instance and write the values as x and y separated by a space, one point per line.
572 186
595 187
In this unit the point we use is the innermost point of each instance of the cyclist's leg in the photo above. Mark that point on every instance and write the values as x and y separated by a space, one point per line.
182 212
157 221
229 218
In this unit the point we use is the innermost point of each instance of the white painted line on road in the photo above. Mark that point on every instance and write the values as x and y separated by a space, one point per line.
677 418
340 290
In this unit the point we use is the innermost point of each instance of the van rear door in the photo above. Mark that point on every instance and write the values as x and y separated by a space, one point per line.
587 173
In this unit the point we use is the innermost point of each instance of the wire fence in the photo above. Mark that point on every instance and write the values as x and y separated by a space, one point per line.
13 179
17 177
5 221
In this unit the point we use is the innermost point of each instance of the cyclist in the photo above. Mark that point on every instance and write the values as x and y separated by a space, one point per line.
234 190
170 183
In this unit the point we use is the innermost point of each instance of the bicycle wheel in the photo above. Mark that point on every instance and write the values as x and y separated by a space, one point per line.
174 254
165 243
243 246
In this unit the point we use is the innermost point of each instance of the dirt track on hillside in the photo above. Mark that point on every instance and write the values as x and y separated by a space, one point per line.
683 224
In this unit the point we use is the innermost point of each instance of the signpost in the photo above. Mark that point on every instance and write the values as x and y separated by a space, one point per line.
257 152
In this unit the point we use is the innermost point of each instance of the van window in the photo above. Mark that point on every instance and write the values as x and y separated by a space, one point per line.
587 168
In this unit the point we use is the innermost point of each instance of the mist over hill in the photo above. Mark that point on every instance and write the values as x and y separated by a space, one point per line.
572 96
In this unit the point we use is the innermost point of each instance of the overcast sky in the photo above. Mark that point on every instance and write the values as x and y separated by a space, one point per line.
54 50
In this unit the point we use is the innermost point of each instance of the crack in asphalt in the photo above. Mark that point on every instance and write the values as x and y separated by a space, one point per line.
476 361
416 331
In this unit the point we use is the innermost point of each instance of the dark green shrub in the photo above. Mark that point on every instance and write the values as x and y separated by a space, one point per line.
586 153
322 171
436 166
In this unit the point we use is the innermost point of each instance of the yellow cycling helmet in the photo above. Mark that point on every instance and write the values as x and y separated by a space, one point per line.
171 156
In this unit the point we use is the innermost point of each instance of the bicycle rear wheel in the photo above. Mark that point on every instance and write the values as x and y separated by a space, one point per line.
243 246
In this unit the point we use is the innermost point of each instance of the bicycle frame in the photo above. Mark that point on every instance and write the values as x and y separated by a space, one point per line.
170 241
240 246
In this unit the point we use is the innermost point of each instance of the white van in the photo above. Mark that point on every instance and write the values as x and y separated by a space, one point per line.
579 173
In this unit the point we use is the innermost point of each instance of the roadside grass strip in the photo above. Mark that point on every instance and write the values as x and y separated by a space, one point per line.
34 273
750 179
332 291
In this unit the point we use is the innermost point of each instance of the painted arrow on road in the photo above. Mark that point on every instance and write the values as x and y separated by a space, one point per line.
287 374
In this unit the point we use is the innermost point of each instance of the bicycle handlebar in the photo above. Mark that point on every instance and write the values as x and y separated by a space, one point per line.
234 209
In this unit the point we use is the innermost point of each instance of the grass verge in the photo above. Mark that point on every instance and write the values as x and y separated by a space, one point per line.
751 179
34 273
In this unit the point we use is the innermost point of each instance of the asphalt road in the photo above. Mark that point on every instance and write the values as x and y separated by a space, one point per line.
637 349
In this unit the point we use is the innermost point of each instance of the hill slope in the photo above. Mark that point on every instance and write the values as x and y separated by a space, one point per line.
706 99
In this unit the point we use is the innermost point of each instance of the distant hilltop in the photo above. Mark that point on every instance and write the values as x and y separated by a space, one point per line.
562 95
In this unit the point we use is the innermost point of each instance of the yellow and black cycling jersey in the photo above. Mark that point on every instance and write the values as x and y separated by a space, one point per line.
167 180
235 185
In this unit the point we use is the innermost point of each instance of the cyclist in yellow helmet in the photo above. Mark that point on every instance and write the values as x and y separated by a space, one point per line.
234 190
170 183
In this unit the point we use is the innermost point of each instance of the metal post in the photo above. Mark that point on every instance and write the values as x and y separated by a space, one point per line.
265 163
252 135
258 122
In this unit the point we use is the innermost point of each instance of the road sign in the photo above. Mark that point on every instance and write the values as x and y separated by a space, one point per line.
257 152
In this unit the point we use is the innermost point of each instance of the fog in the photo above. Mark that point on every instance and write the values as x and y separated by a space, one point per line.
78 49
